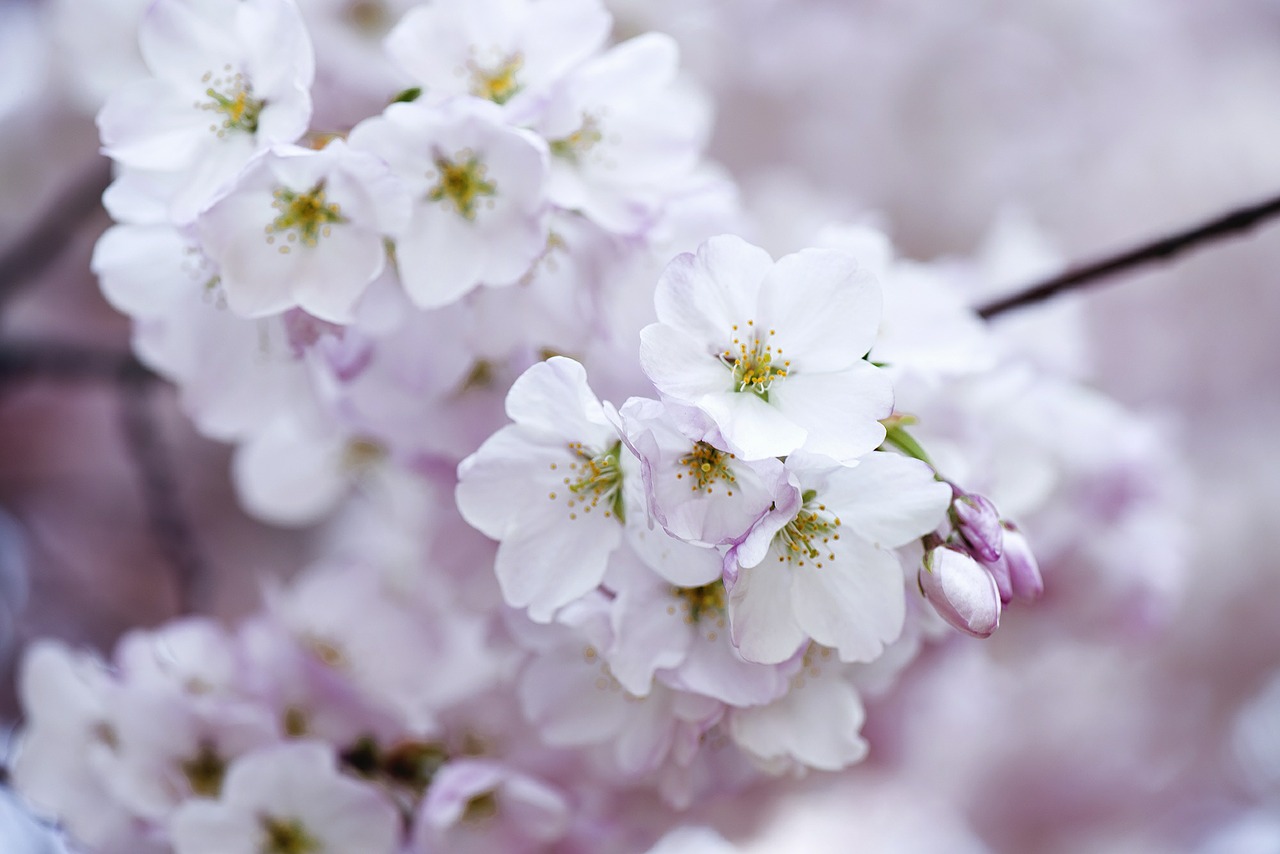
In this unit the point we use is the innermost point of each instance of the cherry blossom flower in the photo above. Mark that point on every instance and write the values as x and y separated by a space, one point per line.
284 800
476 805
505 51
479 212
623 138
549 488
304 228
696 491
228 80
771 352
819 566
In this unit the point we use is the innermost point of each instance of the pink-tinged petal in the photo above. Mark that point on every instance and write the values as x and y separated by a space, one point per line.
644 742
713 668
817 724
888 499
763 626
506 485
851 598
544 568
824 309
681 563
554 397
961 591
841 411
704 295
787 500
569 699
537 810
753 428
454 786
649 635
680 366
1026 582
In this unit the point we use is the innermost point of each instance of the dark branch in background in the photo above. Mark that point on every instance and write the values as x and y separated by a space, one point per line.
169 525
174 535
28 255
1164 249
68 362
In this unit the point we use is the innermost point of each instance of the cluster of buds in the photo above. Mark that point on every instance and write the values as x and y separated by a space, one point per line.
984 564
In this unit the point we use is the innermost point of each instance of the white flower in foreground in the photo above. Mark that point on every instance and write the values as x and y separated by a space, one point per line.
228 80
479 211
288 800
549 488
505 51
304 228
772 352
820 567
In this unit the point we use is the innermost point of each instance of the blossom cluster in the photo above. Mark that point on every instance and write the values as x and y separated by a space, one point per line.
617 508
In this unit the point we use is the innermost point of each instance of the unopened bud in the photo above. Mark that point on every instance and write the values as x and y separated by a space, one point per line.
999 570
1024 571
961 591
978 522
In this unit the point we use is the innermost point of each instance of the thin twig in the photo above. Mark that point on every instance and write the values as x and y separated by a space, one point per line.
28 255
1165 248
172 530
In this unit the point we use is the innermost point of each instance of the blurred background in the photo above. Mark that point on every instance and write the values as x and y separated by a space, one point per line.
1091 124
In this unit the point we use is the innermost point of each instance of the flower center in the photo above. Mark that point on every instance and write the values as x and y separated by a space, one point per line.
281 836
705 465
752 361
304 217
497 84
594 478
462 181
231 96
697 602
481 808
809 534
204 771
580 141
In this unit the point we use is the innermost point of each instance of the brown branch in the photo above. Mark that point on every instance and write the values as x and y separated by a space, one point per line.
29 360
173 532
170 526
28 255
1164 249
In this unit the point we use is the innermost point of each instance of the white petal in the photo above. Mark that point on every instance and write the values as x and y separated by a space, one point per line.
703 295
816 724
888 499
753 428
853 603
760 615
841 411
824 312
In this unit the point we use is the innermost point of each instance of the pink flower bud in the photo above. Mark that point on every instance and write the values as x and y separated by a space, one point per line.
1024 572
999 570
978 521
963 593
